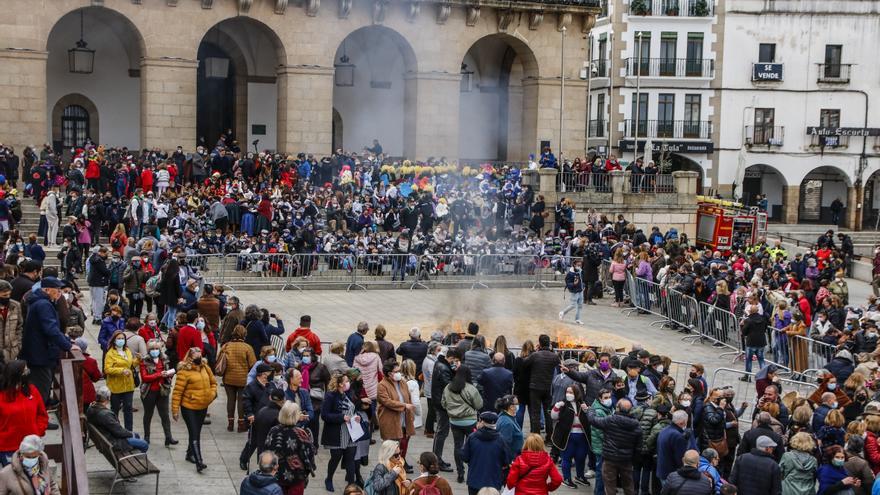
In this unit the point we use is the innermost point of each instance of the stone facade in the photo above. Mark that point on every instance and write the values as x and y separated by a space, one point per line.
307 35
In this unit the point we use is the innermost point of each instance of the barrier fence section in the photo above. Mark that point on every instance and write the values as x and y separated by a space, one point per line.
800 353
721 327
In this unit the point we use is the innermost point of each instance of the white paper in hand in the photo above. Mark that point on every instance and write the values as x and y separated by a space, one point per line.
355 430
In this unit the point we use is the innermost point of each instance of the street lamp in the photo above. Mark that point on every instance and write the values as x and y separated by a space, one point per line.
638 97
562 96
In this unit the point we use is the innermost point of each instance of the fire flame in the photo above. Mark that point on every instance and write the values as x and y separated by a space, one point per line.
567 341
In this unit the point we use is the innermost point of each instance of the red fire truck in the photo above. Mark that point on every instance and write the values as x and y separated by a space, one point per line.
724 225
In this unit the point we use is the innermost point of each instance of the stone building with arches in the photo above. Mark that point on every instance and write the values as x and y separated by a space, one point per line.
463 79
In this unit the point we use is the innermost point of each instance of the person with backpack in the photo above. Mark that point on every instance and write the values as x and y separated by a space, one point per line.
429 481
688 480
574 284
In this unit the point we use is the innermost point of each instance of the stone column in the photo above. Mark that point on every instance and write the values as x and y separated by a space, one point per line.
686 186
23 110
431 105
168 103
547 188
791 201
852 220
305 109
618 186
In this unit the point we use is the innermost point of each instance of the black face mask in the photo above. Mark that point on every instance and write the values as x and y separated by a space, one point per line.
197 361
4 301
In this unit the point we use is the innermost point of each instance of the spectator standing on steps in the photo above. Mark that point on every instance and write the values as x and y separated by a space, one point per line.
98 280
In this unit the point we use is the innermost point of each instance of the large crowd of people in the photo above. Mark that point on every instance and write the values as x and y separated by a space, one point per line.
595 419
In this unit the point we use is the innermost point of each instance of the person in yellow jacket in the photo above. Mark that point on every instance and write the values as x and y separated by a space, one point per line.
120 365
194 390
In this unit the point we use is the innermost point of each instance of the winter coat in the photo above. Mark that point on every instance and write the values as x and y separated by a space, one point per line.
99 274
497 382
195 387
688 480
486 454
11 332
258 483
798 473
209 309
757 472
841 366
564 422
232 319
597 436
754 329
260 334
42 340
430 480
332 414
478 362
672 443
265 419
107 423
115 365
511 432
239 360
109 326
709 470
440 378
541 365
647 417
593 381
384 481
14 481
296 446
529 474
414 349
857 467
390 407
353 347
256 396
622 436
22 416
370 366
462 406
750 439
872 452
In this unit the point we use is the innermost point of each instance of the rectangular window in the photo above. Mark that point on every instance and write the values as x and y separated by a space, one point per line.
694 62
642 113
829 117
767 53
764 118
665 115
642 57
833 55
599 121
667 53
692 114
600 58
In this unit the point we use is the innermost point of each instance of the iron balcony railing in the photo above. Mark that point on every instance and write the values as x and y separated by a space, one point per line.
670 129
834 73
597 128
672 8
670 67
829 141
764 135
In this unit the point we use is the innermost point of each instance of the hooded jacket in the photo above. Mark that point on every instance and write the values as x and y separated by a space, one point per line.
42 340
798 472
622 436
486 454
370 366
258 483
688 480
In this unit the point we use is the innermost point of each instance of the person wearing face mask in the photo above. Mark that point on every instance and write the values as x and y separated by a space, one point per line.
337 412
448 361
255 397
22 411
188 336
395 411
29 468
569 436
150 329
155 389
239 358
832 475
194 390
11 323
109 326
119 368
267 357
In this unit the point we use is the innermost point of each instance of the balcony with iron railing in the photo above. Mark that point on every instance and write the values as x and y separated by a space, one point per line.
826 142
764 135
597 128
670 129
834 73
670 67
672 8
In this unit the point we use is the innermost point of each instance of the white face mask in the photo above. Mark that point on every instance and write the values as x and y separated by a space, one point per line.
569 397
29 462
606 402
397 376
685 403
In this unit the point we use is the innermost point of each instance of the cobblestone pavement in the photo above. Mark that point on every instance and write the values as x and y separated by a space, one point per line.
516 313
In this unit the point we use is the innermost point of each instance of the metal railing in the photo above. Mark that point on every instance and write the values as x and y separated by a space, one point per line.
71 453
834 73
652 183
763 135
673 129
584 181
672 8
670 67
800 353
829 141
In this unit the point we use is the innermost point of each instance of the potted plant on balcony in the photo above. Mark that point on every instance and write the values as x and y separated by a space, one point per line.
701 8
639 7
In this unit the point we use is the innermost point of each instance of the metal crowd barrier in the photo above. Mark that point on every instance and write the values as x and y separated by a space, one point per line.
721 327
684 311
800 353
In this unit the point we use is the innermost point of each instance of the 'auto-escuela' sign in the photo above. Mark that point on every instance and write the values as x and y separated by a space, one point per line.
767 72
843 131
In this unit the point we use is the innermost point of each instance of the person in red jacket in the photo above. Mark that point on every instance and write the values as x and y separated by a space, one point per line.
156 373
91 374
150 330
533 471
188 336
305 331
804 306
22 411
147 179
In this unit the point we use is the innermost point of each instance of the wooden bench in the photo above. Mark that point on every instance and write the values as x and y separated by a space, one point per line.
127 464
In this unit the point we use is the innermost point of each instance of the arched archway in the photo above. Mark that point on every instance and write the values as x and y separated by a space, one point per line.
497 112
74 118
668 162
871 202
112 90
374 92
762 179
819 189
236 88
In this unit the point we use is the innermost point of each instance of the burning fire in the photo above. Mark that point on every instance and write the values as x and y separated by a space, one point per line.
567 341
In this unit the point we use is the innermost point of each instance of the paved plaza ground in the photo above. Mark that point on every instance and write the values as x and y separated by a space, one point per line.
518 314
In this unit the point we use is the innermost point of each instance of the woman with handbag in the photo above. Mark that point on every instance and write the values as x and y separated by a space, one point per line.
194 390
461 401
533 471
235 360
316 377
119 367
569 435
155 388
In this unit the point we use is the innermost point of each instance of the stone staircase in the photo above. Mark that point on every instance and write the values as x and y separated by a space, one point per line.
30 223
863 241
